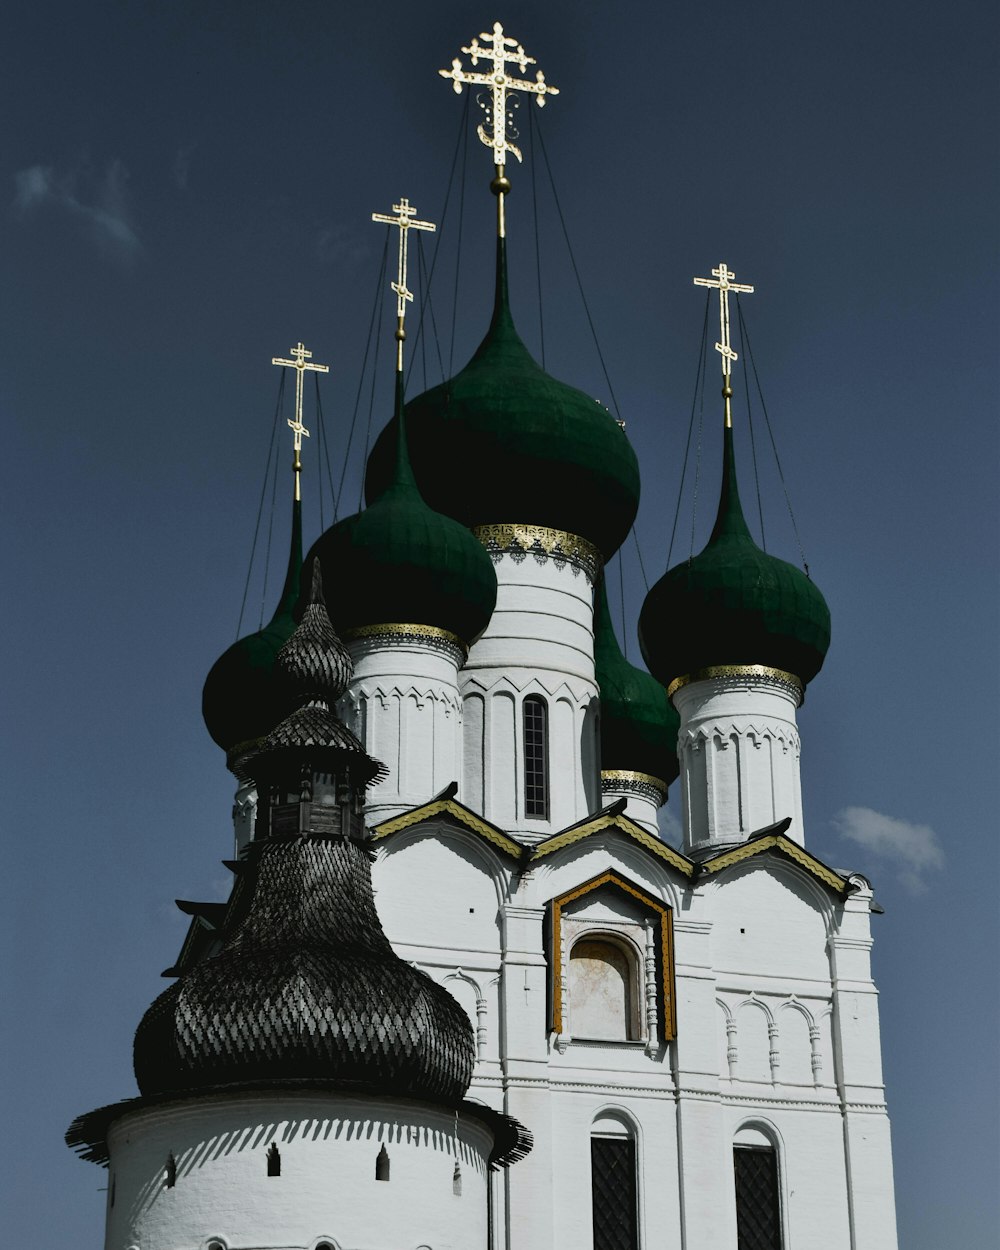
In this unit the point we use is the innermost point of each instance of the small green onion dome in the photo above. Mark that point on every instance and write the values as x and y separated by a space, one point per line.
733 604
638 722
242 700
504 443
400 562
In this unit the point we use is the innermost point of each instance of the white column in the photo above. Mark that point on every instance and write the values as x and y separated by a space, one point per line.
643 795
739 754
404 706
858 1063
540 641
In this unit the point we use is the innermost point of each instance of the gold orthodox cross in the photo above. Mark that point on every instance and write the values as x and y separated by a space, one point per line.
403 215
720 281
502 51
300 365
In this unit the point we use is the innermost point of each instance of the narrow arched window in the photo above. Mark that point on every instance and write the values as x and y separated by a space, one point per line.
613 1186
602 991
536 757
382 1164
456 1180
171 1171
758 1202
273 1160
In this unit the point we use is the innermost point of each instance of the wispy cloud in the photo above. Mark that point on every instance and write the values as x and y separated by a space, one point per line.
913 849
98 203
338 244
182 166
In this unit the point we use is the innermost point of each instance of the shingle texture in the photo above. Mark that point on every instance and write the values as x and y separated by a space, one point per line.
307 985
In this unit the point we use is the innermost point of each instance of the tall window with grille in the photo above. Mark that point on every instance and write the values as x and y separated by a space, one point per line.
536 757
758 1206
616 1218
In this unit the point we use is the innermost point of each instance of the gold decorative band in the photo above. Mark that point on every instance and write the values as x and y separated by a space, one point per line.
541 540
612 777
738 670
406 632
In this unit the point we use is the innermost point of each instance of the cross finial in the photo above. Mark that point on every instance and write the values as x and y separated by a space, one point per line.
300 363
403 215
502 51
720 281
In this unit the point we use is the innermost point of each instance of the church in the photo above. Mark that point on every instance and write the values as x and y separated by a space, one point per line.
463 994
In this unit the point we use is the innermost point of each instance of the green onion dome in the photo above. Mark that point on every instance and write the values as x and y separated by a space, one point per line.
733 604
504 443
638 722
402 563
242 699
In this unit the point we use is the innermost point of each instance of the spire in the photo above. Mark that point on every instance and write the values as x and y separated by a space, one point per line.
404 217
498 131
300 364
730 521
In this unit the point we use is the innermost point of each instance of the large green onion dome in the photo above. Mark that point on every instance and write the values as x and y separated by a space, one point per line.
638 722
504 443
242 700
402 563
733 604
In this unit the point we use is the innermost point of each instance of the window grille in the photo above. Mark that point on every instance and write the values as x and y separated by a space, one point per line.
616 1224
536 758
758 1209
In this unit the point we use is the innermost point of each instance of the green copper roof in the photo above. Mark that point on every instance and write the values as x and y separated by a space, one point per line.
733 604
400 562
504 443
638 722
242 700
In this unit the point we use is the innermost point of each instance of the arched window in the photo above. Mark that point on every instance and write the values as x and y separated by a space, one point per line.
758 1201
613 1185
536 757
273 1160
602 990
171 1171
382 1164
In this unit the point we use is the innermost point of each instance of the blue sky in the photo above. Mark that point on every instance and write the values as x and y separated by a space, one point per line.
186 192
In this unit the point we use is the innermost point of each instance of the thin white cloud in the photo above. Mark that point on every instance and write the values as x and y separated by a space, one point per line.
913 849
182 166
99 204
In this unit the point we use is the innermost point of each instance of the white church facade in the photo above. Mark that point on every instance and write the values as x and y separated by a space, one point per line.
463 994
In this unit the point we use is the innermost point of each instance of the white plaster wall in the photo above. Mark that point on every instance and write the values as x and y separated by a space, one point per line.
739 755
404 706
540 640
327 1187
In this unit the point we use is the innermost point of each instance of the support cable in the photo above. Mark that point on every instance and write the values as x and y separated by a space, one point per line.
698 385
463 127
638 552
458 258
753 441
361 379
621 596
534 209
371 407
270 530
263 493
697 451
325 445
429 305
767 420
576 272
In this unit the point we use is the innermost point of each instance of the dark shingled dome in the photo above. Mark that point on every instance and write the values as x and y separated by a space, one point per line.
242 698
733 604
306 984
504 443
638 722
400 562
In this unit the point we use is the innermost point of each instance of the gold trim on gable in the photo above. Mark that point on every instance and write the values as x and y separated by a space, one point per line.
448 807
666 923
631 830
778 842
